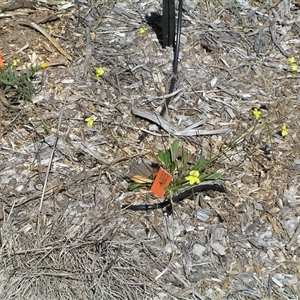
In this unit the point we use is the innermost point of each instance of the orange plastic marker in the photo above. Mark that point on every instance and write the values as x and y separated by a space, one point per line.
162 181
1 59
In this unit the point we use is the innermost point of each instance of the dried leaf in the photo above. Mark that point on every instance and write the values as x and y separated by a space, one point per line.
141 179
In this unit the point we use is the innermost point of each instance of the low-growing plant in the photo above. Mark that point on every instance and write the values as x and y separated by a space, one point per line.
17 85
177 162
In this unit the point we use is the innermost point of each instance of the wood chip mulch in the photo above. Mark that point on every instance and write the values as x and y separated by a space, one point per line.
63 233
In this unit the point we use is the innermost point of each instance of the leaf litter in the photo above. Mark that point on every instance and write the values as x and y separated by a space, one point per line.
64 236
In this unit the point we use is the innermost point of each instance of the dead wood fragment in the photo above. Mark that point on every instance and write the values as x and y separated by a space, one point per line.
1 213
4 101
20 4
43 32
51 18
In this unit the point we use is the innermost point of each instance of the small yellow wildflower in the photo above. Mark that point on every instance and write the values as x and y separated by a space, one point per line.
193 177
284 131
142 30
43 65
294 68
293 65
90 120
99 72
291 60
256 113
15 63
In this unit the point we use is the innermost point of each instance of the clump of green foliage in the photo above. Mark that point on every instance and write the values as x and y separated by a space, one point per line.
177 162
17 85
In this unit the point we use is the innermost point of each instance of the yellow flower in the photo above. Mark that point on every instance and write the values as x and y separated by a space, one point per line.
193 177
294 68
284 131
293 65
291 60
90 120
15 63
43 65
256 113
142 30
99 72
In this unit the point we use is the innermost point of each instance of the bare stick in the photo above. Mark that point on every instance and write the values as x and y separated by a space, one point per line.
52 41
51 159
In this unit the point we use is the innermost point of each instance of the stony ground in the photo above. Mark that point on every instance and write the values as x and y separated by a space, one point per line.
62 183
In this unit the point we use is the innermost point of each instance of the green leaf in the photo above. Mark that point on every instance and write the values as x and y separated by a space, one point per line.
215 175
181 166
134 186
184 158
174 150
212 176
203 177
9 88
161 156
164 156
172 167
200 163
6 82
173 189
167 159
